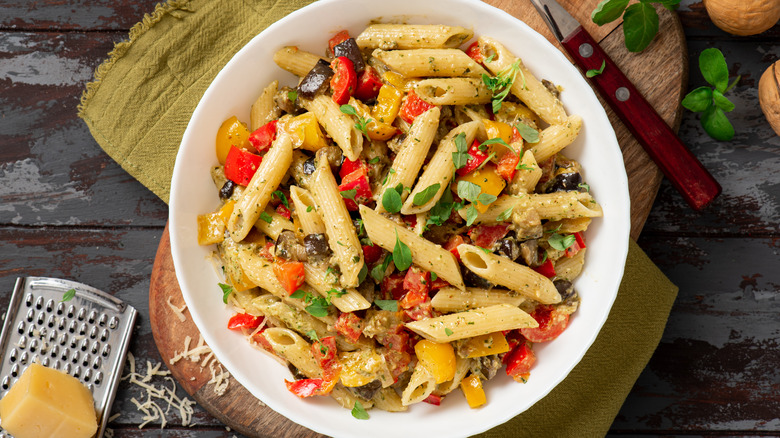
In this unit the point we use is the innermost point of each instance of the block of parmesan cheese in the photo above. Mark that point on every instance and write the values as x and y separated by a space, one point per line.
48 403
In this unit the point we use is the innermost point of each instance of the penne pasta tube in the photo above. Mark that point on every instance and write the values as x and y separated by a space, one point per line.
430 63
339 126
292 347
387 399
569 268
556 137
272 223
425 254
440 169
451 299
462 325
497 208
462 367
350 301
296 61
453 91
559 205
514 276
420 386
266 179
264 109
527 176
412 36
526 86
306 210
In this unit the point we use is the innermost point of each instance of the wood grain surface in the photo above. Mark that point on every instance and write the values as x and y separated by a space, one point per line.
67 210
239 409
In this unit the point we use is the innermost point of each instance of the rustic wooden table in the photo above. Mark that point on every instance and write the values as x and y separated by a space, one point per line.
69 211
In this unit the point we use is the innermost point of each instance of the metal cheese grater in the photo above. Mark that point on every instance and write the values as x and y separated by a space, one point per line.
87 337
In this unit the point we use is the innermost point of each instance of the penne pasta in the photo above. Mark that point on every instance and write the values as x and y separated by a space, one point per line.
453 91
292 347
296 61
264 109
420 386
350 301
339 126
451 299
306 209
430 63
462 325
412 36
556 137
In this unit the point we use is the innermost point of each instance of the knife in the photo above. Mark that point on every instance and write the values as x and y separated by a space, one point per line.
696 185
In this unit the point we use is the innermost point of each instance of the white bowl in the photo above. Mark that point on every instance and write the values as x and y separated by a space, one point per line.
192 193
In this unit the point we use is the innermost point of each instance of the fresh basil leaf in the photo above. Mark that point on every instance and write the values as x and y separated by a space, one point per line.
349 194
607 11
468 190
266 217
447 331
529 134
318 307
584 186
506 214
561 243
292 95
226 291
713 67
348 109
716 124
486 198
402 255
640 25
279 194
358 411
434 276
442 210
471 215
298 294
67 296
498 141
596 71
313 335
426 194
698 100
722 101
389 305
461 157
391 200
378 273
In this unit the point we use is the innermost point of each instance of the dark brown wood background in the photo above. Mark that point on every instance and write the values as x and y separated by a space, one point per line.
67 210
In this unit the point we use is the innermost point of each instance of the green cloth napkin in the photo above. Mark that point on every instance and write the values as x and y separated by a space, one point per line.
140 104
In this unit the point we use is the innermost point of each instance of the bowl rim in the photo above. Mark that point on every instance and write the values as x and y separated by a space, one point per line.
177 245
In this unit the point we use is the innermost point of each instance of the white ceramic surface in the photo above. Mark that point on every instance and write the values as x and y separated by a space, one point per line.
232 93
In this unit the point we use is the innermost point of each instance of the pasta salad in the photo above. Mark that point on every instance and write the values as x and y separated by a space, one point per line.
403 223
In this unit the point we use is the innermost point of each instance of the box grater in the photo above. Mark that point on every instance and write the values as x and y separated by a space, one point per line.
86 336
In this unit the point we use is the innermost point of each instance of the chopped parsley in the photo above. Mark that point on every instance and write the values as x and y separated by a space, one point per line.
226 291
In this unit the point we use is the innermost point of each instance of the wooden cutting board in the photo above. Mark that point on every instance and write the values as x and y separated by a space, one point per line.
660 73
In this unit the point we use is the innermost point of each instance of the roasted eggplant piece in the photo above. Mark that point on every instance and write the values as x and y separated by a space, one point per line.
316 81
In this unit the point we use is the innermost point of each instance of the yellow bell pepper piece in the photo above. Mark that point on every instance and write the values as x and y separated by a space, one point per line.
388 102
488 180
397 80
232 132
362 367
305 132
486 345
211 226
497 130
244 283
472 389
438 359
375 130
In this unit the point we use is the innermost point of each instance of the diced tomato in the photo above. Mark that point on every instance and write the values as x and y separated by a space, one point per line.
439 283
349 325
395 339
241 165
416 285
519 362
507 165
244 320
475 52
263 136
266 252
344 79
513 338
357 180
515 135
552 323
349 166
398 362
326 354
283 211
260 340
452 245
304 387
547 269
476 158
393 285
368 84
371 253
486 236
337 39
579 243
420 311
410 220
434 399
291 274
413 106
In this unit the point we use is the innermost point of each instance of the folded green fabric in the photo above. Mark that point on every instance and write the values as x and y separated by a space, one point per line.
140 104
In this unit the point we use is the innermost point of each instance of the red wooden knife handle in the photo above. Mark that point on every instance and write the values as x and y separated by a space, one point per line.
680 166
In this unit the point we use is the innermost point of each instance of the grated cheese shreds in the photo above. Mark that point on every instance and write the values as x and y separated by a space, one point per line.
178 311
219 377
149 407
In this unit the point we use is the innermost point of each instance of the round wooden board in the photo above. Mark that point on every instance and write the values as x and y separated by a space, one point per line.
660 73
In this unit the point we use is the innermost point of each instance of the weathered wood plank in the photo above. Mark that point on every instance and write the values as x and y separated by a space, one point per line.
716 366
73 14
53 170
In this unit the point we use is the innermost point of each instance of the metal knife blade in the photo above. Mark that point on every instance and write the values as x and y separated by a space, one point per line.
560 21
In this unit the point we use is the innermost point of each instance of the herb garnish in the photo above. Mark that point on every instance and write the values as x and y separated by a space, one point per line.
461 157
317 305
226 291
640 20
506 214
710 101
361 122
561 243
529 134
447 331
391 199
67 296
402 255
596 71
442 210
358 411
378 273
426 194
389 305
266 217
279 194
349 194
501 84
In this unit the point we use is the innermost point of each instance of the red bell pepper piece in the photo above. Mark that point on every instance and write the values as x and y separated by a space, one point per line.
304 387
357 180
519 362
507 165
452 245
349 325
263 137
486 236
283 211
475 52
439 283
434 399
547 269
241 165
371 253
515 135
552 322
476 158
413 106
397 361
326 354
349 166
393 285
244 320
344 80
368 84
420 311
416 285
291 274
337 39
579 243
410 220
